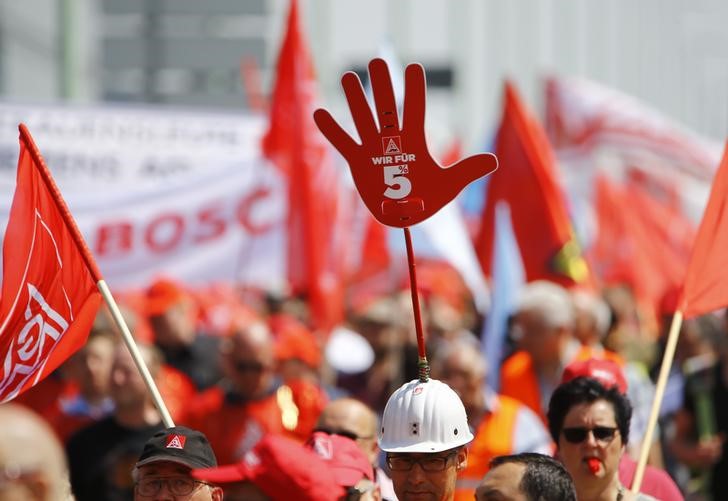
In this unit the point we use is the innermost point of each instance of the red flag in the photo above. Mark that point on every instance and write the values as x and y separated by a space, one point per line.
374 255
293 143
641 242
706 281
49 294
528 182
667 229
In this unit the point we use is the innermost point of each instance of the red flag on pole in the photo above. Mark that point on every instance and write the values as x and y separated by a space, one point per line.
641 241
294 145
705 289
528 182
706 281
49 293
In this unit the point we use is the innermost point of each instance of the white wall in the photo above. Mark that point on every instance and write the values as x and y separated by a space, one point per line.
670 53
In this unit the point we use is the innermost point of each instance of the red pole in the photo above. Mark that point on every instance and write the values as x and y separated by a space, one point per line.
424 368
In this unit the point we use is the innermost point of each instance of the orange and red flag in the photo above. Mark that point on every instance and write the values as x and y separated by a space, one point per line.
528 181
706 281
642 241
293 144
49 293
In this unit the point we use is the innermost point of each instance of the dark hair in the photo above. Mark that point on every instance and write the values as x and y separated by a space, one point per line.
587 390
544 479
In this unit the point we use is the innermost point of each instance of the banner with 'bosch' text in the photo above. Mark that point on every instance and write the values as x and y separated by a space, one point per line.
157 191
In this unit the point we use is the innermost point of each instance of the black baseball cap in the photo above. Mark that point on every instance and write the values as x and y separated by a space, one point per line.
179 444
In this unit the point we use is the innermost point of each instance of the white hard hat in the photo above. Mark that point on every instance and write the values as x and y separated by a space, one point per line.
424 417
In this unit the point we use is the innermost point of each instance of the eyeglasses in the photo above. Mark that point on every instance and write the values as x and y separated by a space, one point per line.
179 486
577 435
427 463
343 433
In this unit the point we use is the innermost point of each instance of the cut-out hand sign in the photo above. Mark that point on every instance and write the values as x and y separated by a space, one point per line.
393 170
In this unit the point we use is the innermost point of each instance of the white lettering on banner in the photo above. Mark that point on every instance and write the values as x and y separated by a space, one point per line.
30 348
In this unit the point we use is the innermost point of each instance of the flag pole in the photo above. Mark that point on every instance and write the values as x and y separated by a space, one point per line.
424 368
95 273
135 353
659 393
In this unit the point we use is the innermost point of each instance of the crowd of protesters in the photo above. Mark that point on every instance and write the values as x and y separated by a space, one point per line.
285 409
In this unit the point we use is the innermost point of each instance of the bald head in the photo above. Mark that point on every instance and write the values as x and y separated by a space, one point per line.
461 355
353 417
253 339
30 451
543 324
249 359
592 317
548 301
461 365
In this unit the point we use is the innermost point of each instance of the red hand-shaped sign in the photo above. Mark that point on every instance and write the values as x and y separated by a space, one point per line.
399 181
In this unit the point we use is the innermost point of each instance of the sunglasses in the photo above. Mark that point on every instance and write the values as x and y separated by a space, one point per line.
577 435
343 433
245 367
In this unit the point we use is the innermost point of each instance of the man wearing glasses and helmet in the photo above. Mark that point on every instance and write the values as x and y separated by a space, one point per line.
424 433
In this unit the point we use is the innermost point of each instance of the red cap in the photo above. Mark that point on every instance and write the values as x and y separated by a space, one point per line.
282 468
348 461
605 371
161 295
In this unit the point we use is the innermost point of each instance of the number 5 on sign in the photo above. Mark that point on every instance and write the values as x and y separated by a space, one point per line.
398 184
415 186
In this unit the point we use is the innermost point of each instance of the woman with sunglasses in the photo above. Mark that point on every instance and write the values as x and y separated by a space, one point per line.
590 426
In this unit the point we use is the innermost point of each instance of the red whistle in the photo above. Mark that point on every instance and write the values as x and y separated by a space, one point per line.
593 464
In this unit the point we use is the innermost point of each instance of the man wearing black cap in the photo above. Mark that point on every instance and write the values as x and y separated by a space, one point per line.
163 469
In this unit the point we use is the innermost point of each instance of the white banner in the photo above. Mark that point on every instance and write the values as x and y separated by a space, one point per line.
159 192
596 129
92 147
